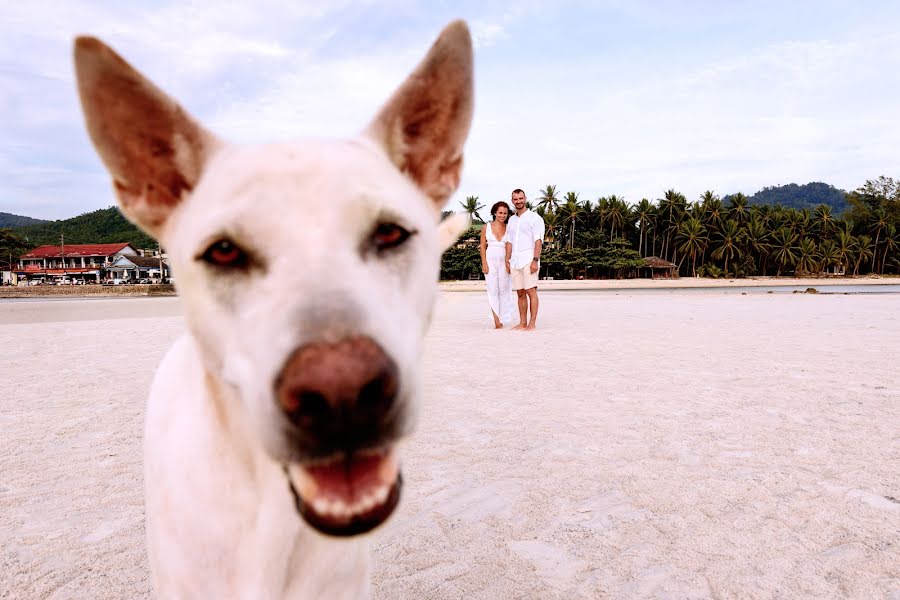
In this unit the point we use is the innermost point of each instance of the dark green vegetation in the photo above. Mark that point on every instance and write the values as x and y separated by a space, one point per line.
99 227
10 220
712 237
796 196
609 237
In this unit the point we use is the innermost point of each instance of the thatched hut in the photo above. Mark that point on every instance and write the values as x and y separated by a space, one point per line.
657 268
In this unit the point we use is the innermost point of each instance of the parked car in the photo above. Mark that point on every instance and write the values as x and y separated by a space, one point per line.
144 280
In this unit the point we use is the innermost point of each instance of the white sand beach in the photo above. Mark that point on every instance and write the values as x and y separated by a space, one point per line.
666 445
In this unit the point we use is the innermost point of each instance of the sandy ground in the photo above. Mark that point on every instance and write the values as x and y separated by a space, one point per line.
692 283
671 445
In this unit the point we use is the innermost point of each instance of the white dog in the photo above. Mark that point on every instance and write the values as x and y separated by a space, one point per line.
308 273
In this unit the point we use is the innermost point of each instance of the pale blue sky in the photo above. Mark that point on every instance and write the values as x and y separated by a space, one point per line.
599 97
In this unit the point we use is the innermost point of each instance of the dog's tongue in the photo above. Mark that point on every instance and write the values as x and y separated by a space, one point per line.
346 495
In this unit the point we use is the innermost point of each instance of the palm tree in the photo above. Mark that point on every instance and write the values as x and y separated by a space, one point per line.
617 215
807 260
728 243
715 212
673 206
692 240
737 208
824 221
550 225
877 225
602 211
846 246
569 213
891 244
549 199
864 251
472 206
829 255
794 220
783 249
643 213
755 236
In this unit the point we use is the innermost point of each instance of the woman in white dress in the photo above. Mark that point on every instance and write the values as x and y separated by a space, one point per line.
493 265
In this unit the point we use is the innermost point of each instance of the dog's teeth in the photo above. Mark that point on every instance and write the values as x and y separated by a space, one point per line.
381 494
364 504
320 505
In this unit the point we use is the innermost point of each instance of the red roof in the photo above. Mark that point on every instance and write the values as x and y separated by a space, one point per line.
76 250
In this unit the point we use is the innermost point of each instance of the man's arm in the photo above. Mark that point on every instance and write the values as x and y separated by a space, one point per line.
538 244
538 229
508 255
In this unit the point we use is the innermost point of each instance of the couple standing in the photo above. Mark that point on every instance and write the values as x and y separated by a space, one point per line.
510 260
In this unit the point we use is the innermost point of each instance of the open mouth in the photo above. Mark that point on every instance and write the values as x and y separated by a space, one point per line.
346 494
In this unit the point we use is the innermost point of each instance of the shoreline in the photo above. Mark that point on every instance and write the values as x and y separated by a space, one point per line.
123 291
682 283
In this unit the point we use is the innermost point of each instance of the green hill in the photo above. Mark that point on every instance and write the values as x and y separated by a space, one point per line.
801 196
99 227
10 220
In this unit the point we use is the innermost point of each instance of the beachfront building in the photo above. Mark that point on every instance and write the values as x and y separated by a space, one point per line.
74 262
137 268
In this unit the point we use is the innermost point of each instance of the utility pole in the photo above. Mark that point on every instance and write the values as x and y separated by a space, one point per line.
159 252
62 251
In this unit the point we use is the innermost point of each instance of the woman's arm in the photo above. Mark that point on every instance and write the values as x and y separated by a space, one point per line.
483 244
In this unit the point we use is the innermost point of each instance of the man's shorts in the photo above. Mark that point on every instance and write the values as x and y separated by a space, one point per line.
524 279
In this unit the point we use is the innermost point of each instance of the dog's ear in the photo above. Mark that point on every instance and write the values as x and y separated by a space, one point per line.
425 123
451 228
153 149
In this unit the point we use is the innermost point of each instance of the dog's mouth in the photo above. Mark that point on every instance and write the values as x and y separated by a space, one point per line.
346 494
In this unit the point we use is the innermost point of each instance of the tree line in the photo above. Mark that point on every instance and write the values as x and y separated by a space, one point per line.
708 237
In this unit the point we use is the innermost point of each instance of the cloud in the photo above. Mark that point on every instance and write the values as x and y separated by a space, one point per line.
596 97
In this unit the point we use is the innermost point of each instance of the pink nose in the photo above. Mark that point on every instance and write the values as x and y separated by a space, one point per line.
338 392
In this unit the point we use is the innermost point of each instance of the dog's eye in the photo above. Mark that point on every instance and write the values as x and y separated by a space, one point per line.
388 235
226 254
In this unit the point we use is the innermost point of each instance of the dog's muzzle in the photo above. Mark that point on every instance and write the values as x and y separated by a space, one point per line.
340 400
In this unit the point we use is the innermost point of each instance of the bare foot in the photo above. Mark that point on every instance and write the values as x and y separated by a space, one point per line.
519 327
498 325
530 327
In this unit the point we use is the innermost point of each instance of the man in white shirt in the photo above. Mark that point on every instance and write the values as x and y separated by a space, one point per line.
525 235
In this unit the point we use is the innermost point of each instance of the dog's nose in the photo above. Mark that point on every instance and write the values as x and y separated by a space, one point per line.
338 394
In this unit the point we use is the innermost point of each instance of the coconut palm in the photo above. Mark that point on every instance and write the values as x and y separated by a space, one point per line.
877 225
864 251
737 208
714 211
784 250
829 255
472 206
549 198
824 221
643 213
891 244
755 238
728 243
617 215
807 257
846 246
672 209
551 225
569 214
692 240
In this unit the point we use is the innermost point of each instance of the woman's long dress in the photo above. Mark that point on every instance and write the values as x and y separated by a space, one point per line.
499 288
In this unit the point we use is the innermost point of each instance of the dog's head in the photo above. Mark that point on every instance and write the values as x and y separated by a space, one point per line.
308 271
